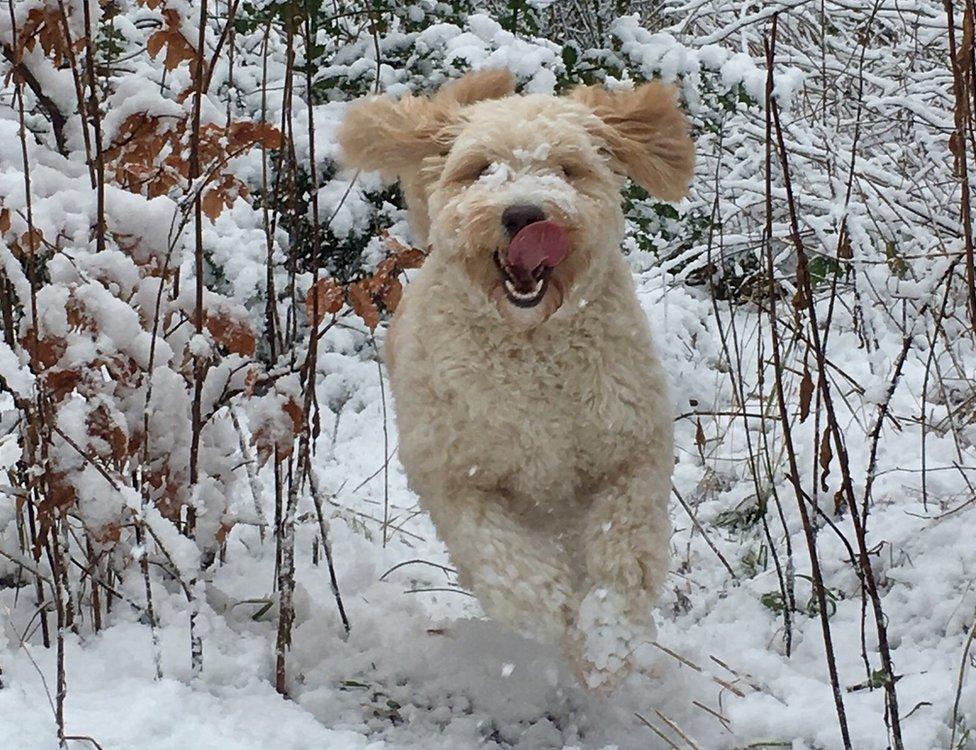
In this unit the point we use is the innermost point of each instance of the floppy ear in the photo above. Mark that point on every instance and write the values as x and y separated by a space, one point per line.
396 136
380 134
477 87
646 134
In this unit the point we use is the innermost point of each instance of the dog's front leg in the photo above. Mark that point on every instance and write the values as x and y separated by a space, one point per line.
520 576
626 547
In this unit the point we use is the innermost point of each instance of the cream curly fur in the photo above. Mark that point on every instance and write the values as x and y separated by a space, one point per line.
539 440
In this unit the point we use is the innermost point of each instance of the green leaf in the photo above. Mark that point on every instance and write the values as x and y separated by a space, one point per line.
773 600
570 57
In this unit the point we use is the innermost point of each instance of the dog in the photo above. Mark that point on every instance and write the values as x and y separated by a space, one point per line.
534 417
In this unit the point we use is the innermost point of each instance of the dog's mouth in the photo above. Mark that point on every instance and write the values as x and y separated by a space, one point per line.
527 262
523 288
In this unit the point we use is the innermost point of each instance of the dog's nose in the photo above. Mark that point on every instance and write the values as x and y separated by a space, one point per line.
518 217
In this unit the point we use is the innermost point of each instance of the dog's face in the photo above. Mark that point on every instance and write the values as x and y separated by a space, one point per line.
523 192
527 202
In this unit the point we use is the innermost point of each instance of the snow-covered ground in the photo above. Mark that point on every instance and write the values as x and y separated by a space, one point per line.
422 670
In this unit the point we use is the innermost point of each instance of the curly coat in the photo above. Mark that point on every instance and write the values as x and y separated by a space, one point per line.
538 439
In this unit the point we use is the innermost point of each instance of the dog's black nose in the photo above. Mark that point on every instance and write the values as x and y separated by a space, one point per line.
518 217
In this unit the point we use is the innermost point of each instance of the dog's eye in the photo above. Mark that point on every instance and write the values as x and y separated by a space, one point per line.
471 172
570 171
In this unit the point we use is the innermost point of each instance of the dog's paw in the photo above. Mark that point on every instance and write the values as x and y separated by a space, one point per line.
602 643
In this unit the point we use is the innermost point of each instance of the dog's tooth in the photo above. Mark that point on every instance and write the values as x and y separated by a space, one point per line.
524 296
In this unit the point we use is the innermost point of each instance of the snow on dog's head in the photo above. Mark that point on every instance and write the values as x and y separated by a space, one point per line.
523 191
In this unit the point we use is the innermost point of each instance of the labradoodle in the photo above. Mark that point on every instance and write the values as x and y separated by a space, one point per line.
534 417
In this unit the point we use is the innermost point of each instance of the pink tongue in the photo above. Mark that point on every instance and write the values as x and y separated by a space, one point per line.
541 243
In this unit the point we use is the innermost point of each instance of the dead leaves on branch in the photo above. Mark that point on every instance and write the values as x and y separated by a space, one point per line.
102 382
30 242
107 431
276 425
277 419
178 48
368 296
44 26
327 296
26 243
150 155
85 372
234 333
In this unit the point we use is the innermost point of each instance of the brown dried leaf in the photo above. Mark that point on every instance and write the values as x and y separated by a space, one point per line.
60 382
234 334
826 456
404 255
44 25
46 352
844 248
4 220
273 138
32 239
329 295
213 203
392 242
101 426
411 257
251 380
294 412
170 496
246 133
361 299
391 293
178 49
838 501
965 50
156 42
60 496
267 441
223 531
263 445
957 149
385 269
107 534
60 492
806 394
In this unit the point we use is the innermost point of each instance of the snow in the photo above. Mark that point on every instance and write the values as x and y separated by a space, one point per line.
488 45
17 377
420 670
344 206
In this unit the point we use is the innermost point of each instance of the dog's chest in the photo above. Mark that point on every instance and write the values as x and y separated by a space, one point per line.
531 416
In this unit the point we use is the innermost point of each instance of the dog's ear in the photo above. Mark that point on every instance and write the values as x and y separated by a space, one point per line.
382 134
477 87
395 137
646 134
